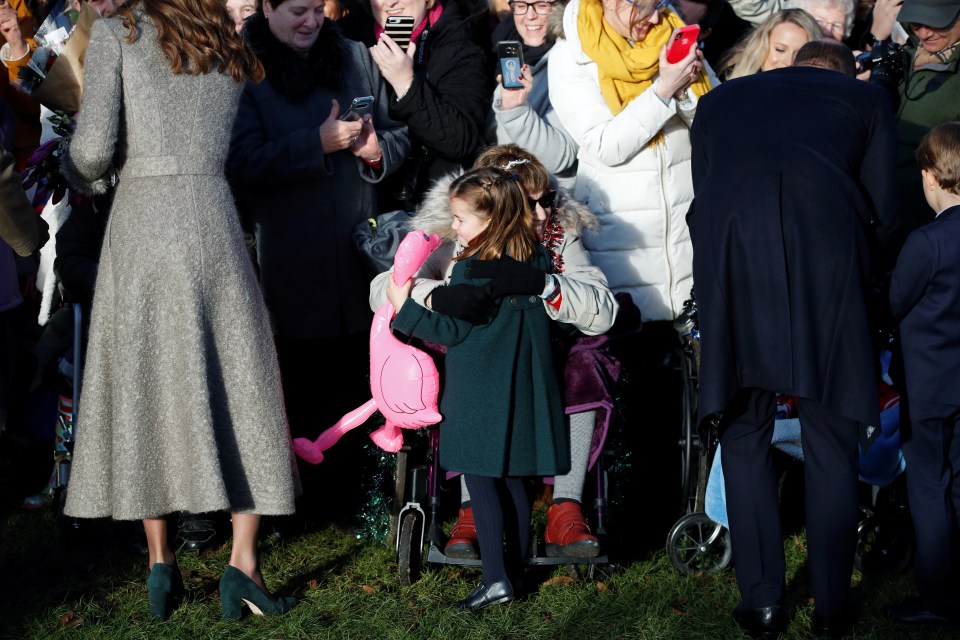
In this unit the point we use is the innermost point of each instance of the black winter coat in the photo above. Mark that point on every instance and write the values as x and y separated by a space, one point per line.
447 107
781 228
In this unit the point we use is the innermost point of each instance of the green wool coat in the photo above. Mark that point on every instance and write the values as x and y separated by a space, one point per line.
503 414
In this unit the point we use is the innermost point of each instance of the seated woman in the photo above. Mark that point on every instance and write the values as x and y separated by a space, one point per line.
439 86
772 45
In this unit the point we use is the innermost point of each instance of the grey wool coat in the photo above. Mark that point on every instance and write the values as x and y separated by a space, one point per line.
501 404
181 406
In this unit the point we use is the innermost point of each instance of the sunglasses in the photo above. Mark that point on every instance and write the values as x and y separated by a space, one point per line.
546 201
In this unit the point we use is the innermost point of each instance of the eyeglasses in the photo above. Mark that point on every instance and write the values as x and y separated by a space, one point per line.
645 9
546 201
520 8
830 27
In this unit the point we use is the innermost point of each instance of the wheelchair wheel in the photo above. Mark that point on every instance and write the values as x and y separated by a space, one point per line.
410 547
697 544
884 545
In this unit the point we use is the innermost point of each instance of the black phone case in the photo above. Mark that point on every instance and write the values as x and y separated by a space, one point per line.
510 55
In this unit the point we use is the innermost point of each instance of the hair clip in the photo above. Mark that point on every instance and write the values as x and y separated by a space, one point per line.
514 163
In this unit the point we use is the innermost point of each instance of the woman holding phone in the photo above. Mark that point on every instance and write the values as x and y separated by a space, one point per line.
629 109
435 85
303 178
525 115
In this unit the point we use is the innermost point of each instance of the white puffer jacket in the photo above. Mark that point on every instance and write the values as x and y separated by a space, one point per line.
640 193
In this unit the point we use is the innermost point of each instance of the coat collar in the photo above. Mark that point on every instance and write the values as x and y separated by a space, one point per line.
295 77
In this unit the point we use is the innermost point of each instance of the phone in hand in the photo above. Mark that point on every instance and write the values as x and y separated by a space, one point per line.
682 40
510 55
358 108
399 29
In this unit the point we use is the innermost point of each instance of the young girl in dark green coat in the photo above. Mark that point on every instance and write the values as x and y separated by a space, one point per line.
503 415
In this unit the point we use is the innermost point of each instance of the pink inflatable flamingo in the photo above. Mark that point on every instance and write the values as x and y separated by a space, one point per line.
404 381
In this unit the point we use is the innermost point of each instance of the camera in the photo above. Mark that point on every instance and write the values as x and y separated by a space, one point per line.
885 63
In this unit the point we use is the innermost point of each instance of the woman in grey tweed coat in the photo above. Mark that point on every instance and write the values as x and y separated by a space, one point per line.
182 408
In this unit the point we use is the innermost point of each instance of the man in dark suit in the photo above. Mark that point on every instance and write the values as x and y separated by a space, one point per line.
792 175
925 299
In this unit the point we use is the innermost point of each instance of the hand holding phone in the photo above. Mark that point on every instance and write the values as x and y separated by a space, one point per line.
510 55
358 108
399 29
682 40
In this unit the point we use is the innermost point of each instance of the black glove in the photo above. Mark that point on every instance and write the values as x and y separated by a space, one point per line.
508 276
468 302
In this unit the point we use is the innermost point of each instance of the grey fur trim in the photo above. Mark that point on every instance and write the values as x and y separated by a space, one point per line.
98 187
434 216
555 22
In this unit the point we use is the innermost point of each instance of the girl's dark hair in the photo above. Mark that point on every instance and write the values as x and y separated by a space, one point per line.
196 36
495 195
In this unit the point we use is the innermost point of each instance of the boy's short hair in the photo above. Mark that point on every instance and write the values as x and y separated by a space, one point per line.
939 153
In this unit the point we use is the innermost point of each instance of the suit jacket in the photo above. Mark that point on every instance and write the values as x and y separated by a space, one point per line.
925 299
792 174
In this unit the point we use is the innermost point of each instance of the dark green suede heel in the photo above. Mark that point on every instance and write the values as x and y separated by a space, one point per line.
165 586
236 588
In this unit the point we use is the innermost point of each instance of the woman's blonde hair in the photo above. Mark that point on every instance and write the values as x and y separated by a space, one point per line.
512 158
495 195
196 36
748 55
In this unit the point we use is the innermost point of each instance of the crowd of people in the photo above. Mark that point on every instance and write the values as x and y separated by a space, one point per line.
797 175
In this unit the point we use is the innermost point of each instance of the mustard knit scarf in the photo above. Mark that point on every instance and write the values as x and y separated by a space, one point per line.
626 71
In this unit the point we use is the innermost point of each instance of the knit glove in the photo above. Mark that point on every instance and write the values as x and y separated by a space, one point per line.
508 276
468 302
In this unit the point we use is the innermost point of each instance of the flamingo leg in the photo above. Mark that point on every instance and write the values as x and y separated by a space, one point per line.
388 437
312 451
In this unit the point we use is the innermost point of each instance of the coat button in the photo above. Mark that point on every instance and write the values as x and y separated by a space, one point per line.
513 301
532 299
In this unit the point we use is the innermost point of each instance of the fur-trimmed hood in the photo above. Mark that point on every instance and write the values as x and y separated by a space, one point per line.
292 75
434 215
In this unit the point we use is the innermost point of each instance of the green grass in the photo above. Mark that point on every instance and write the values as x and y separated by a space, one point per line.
94 587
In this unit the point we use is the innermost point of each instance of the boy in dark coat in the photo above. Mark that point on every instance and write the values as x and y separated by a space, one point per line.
925 299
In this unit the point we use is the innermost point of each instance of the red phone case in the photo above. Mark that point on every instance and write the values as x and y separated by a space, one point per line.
682 40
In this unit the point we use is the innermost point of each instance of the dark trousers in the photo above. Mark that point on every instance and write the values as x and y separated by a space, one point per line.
932 452
830 476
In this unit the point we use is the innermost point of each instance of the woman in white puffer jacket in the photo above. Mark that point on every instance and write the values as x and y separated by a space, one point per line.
630 111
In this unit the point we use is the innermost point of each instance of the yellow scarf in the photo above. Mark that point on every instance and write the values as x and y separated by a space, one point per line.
626 71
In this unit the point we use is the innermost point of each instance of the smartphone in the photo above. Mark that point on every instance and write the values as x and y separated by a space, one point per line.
510 54
682 40
358 108
399 29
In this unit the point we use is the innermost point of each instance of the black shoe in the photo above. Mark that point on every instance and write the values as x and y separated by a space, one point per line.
500 592
766 623
825 628
197 532
913 612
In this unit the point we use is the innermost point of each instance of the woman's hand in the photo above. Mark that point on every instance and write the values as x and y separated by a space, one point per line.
513 98
396 66
367 145
10 30
675 78
336 134
398 294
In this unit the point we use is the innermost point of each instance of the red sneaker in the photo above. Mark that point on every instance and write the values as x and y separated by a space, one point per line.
463 537
568 534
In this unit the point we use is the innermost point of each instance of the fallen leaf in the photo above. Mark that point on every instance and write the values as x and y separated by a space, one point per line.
70 620
558 580
677 612
603 587
313 584
368 589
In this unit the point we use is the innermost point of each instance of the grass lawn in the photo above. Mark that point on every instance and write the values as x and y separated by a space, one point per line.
93 586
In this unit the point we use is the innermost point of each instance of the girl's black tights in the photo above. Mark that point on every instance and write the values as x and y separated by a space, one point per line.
492 499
